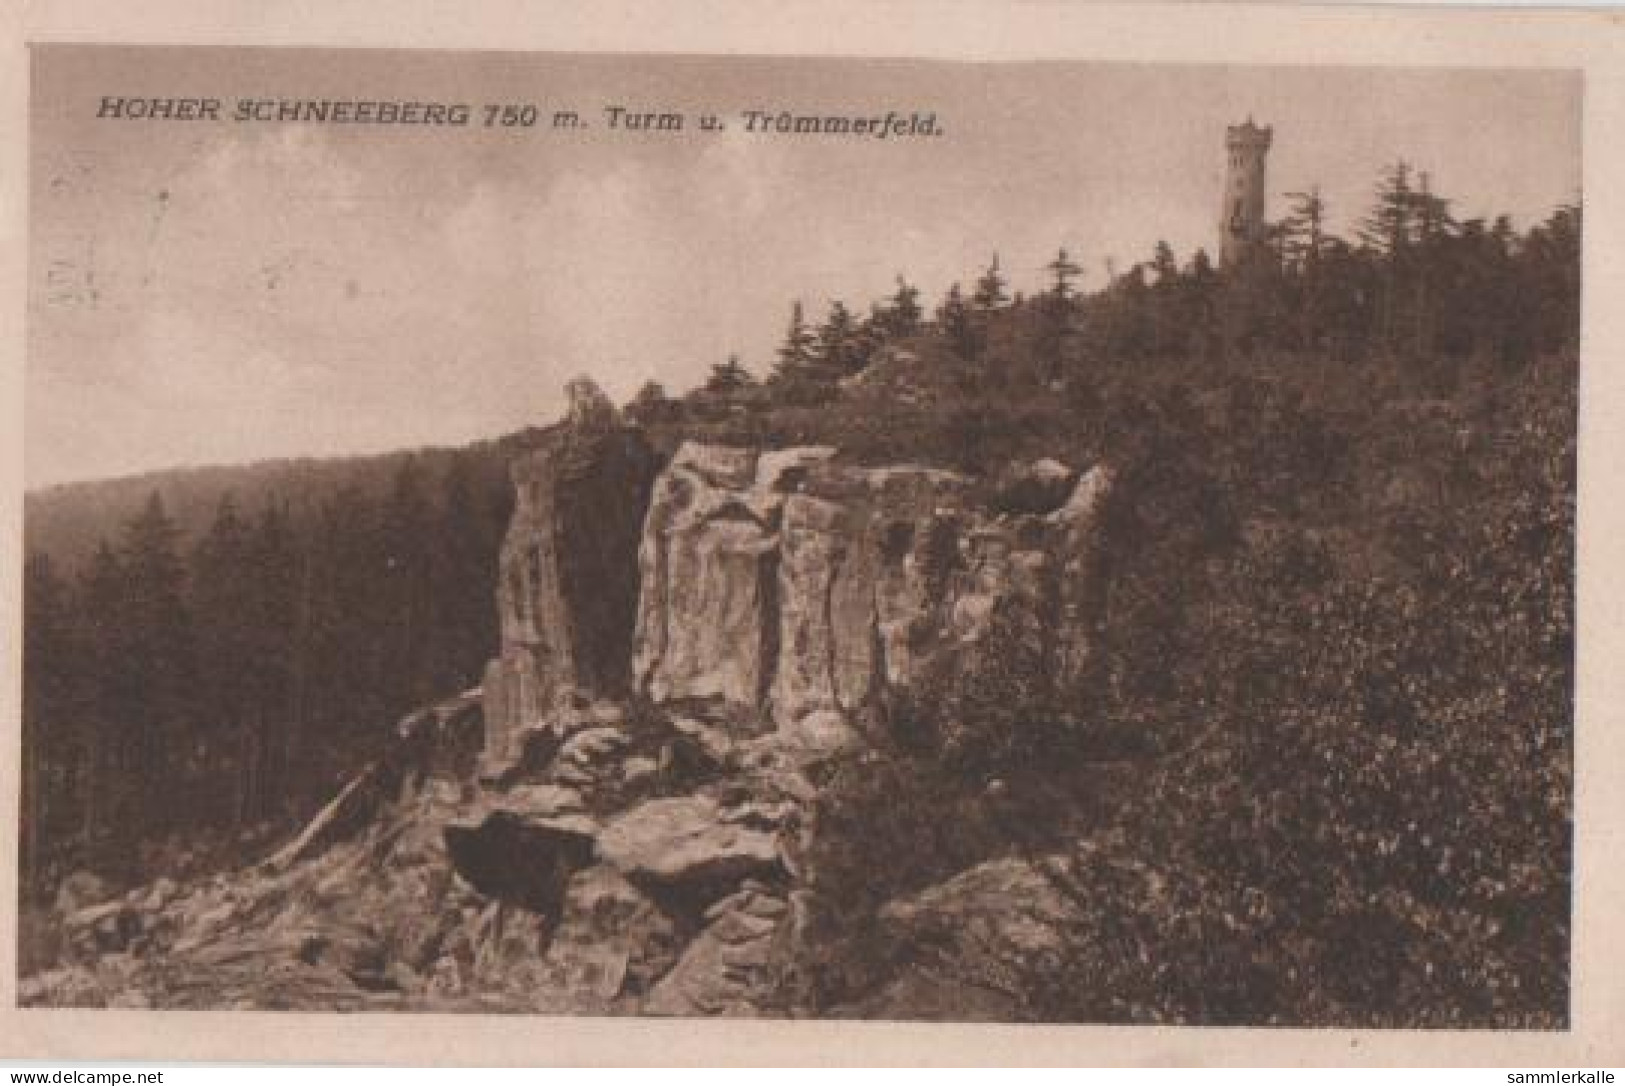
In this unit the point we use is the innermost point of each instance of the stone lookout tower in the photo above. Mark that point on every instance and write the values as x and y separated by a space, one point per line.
1242 226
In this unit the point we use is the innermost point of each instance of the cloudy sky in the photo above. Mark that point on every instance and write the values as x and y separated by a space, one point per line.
219 292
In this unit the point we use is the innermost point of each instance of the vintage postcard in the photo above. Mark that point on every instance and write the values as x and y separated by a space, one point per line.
542 539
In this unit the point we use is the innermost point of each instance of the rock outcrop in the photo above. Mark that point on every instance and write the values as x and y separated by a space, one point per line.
801 590
793 591
567 594
681 651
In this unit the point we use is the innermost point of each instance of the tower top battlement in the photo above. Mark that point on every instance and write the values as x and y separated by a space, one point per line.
1248 135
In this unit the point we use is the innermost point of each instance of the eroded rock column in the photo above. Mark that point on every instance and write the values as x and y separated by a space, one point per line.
568 588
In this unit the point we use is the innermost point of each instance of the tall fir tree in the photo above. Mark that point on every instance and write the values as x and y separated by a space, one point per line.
48 663
901 314
404 550
956 321
467 538
278 574
100 782
224 612
842 346
727 378
1060 339
798 354
158 643
990 291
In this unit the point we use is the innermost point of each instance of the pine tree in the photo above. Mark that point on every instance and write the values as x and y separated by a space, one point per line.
1135 327
273 555
990 288
1201 289
1304 230
48 662
1059 344
1166 265
1064 271
798 354
1389 231
729 377
99 780
901 314
1201 266
1167 322
157 718
404 543
841 348
1303 245
1389 227
223 607
954 318
464 563
348 668
1434 225
1551 260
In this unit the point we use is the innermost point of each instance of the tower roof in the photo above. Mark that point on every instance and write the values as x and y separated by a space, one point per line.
1249 134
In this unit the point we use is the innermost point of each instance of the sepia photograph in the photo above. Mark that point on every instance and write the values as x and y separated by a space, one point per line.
568 533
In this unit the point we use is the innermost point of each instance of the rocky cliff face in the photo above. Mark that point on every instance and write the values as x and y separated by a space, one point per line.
803 592
795 592
568 588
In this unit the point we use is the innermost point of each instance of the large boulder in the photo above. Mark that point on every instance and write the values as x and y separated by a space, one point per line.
568 587
528 862
688 840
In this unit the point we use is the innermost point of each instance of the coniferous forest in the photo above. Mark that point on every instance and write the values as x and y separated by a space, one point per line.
1336 701
196 688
